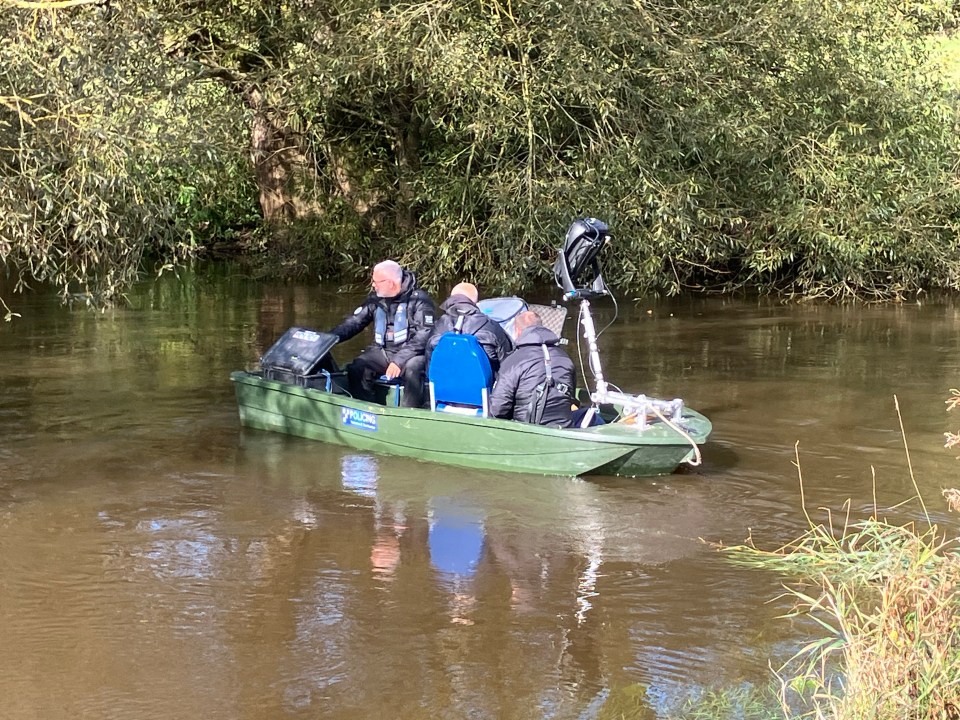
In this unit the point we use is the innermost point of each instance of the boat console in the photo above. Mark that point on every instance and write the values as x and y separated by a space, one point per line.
301 356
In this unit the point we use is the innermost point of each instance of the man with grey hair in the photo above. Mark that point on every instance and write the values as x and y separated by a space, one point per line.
402 315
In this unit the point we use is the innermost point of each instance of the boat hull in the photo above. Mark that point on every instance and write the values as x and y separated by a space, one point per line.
506 445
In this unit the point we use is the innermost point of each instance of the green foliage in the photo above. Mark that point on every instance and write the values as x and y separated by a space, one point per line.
885 597
743 703
101 160
306 247
804 146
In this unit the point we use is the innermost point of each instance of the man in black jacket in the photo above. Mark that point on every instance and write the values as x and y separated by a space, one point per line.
403 316
461 314
536 381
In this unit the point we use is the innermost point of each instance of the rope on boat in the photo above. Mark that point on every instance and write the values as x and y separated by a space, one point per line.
698 458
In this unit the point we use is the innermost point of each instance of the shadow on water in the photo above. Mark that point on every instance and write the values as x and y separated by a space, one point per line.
160 561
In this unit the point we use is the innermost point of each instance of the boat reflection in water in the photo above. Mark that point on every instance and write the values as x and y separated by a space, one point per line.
451 578
359 475
456 540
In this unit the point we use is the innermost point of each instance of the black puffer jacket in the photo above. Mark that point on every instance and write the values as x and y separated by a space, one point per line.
493 338
421 314
524 370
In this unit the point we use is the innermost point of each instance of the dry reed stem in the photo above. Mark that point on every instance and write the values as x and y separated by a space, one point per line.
890 597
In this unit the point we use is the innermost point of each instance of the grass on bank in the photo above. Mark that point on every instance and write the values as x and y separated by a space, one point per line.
887 598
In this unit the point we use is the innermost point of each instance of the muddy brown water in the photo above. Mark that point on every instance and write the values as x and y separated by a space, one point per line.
159 561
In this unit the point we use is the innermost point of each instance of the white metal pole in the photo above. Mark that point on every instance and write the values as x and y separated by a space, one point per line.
590 335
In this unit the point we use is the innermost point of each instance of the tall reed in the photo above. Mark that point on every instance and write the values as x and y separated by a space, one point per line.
887 598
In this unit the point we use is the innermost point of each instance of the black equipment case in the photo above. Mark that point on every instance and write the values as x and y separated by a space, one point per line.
302 357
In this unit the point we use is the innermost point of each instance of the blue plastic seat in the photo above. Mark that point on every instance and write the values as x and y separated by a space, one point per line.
460 376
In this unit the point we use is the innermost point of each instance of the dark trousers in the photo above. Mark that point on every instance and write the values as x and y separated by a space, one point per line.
577 417
369 365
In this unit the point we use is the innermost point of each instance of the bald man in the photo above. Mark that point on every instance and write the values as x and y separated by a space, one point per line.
461 314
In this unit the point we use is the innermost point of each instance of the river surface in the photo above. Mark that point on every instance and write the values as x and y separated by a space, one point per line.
158 561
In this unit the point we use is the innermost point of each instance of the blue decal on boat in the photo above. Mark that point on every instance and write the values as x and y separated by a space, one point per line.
358 419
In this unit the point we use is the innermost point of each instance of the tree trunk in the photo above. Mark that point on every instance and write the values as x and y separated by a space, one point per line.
280 165
407 148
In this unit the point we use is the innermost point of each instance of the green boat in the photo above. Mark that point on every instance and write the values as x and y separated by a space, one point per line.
615 448
640 436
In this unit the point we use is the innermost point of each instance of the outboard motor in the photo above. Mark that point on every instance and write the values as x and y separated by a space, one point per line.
585 239
577 272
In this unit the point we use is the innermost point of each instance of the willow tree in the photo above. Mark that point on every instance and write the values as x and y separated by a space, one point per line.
102 163
796 144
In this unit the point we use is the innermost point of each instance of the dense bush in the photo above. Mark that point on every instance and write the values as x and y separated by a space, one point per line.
103 159
804 146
